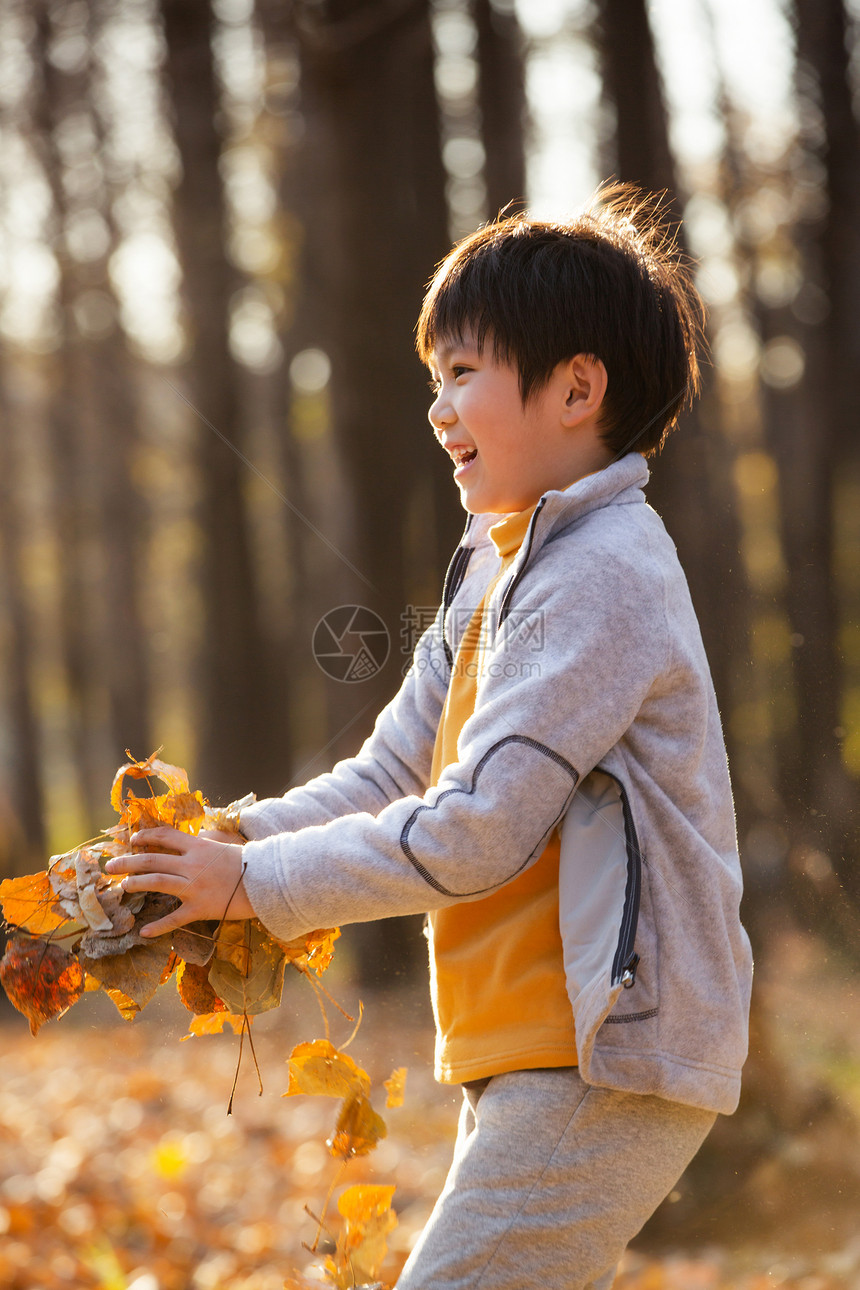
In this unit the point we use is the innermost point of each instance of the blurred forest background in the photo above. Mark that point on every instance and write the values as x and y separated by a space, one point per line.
216 223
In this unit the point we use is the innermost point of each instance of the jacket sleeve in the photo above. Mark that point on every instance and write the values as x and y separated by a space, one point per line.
569 671
393 763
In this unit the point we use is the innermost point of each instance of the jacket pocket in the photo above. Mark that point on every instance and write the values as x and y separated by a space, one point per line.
600 878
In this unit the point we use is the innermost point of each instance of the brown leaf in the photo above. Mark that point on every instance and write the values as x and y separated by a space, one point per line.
41 979
192 983
99 945
358 1129
195 943
30 903
320 1069
136 973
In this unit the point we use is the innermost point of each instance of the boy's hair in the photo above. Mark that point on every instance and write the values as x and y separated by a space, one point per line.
610 283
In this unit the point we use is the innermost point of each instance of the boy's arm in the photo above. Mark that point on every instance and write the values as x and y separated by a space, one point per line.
544 719
394 762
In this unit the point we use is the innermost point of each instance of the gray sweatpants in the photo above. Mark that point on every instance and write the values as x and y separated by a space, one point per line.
550 1180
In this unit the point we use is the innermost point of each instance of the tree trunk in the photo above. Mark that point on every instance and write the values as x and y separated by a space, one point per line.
23 805
97 513
237 747
502 99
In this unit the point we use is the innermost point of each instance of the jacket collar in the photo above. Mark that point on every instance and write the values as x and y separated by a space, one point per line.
621 482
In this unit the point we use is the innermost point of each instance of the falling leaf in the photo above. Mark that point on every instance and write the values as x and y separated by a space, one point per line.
195 991
361 1244
320 1069
41 979
395 1087
30 903
213 1023
358 1129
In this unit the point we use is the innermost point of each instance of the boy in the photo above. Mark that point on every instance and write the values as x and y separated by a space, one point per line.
550 783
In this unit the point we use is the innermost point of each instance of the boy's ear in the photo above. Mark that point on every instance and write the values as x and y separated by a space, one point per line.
586 382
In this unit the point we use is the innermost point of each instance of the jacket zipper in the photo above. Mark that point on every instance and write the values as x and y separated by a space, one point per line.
626 960
453 581
509 591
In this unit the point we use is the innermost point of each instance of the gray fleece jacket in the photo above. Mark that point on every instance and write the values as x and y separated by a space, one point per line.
595 715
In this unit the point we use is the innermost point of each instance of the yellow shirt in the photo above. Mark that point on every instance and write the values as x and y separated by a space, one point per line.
496 964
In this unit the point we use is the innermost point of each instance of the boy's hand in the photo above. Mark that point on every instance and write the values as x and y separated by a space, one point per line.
205 872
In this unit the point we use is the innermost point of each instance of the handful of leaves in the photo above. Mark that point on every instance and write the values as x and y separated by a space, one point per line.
76 931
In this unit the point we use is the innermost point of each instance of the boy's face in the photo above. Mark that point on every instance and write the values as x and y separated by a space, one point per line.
506 456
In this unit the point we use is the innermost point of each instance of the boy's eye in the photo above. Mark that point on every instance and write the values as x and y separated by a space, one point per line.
435 385
459 370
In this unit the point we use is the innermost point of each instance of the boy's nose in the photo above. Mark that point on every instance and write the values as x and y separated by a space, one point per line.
440 413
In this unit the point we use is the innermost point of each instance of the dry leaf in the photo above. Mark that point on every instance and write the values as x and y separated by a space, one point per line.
318 1068
174 777
126 1007
228 819
41 979
315 950
395 1087
192 983
196 941
31 904
358 1129
136 973
212 1023
257 985
184 811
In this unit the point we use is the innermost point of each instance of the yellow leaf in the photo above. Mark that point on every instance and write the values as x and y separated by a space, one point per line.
315 950
30 903
318 1068
232 945
213 1023
358 1129
365 1201
361 1245
395 1087
184 811
126 1007
174 777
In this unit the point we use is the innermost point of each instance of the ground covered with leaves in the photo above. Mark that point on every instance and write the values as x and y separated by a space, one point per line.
120 1169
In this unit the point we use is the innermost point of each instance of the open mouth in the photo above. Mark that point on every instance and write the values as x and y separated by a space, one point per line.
464 456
